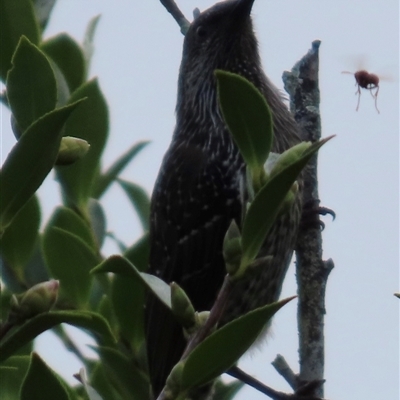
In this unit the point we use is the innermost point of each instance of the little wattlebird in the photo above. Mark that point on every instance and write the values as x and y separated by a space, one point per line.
197 192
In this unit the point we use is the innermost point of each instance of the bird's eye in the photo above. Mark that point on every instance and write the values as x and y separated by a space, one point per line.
201 31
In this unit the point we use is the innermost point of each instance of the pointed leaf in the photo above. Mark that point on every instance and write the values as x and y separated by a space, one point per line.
88 47
122 266
30 161
90 321
68 220
219 351
38 373
70 260
100 380
129 294
138 253
267 203
90 122
226 391
248 117
116 168
19 240
43 10
98 221
140 201
68 55
90 391
36 270
31 84
17 19
130 382
12 374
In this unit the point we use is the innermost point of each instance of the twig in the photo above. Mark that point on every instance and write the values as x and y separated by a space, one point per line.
69 343
283 368
311 271
177 14
273 394
213 318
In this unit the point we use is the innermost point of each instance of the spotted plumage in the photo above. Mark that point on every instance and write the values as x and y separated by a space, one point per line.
197 192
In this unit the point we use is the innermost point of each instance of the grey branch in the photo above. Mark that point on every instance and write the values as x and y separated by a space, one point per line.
311 271
283 368
271 393
177 14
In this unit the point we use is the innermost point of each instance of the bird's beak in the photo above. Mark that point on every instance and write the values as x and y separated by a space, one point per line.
243 8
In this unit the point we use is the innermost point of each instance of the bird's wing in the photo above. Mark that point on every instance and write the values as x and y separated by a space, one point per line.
192 206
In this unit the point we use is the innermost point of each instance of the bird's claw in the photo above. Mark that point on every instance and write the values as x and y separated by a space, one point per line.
310 216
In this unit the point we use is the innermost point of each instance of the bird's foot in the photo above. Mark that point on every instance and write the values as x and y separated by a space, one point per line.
310 216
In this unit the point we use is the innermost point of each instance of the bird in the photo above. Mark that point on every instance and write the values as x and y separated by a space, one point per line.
197 192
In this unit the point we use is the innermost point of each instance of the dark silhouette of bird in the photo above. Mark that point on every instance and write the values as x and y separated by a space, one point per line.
197 192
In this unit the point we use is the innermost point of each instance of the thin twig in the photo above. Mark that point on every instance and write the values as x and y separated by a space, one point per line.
214 317
69 343
177 14
283 368
273 394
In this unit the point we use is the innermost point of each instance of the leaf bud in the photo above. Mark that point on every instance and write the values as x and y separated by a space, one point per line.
38 299
71 150
232 248
182 307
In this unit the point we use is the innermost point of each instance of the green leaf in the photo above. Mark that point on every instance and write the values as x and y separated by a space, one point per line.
90 391
219 351
63 92
267 203
104 180
43 10
90 321
128 299
138 253
104 308
140 201
12 374
248 117
88 46
70 260
19 240
36 270
89 122
31 84
97 221
17 19
122 266
30 161
226 391
68 55
101 382
38 373
68 220
127 379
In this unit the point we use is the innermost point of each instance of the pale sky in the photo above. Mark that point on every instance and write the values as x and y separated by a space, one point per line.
137 56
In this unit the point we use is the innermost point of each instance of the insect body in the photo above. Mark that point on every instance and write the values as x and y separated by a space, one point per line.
365 80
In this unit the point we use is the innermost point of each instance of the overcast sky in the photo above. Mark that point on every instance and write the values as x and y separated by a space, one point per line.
137 56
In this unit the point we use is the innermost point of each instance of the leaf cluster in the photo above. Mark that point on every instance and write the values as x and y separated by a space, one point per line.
61 124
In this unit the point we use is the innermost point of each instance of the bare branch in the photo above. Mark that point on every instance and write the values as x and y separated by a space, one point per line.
273 394
311 271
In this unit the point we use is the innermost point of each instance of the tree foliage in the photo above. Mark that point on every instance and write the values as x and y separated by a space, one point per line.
58 275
